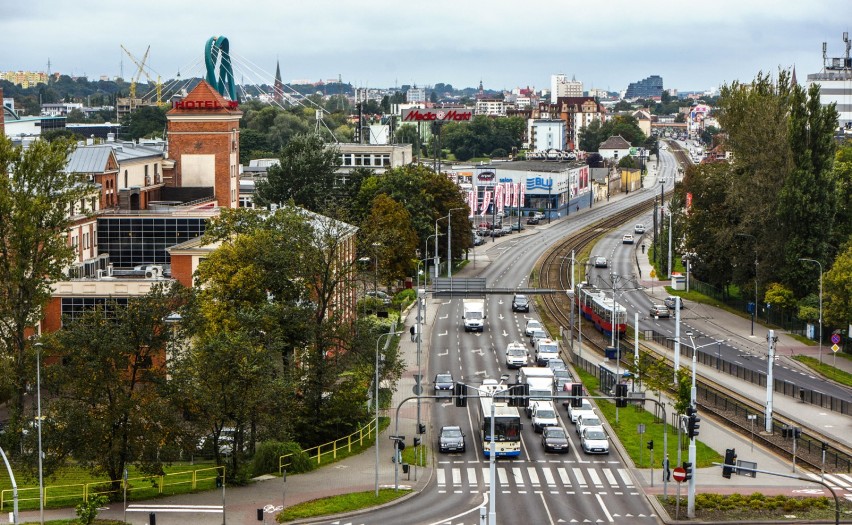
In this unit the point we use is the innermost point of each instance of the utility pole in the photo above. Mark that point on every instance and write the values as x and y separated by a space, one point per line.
770 358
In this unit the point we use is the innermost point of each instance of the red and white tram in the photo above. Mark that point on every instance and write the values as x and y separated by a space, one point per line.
598 308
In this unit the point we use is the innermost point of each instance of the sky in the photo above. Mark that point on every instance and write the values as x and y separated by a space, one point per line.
694 46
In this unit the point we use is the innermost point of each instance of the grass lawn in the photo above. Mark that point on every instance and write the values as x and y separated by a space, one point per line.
337 504
636 446
411 454
835 374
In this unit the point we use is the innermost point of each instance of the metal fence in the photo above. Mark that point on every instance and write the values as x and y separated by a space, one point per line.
328 451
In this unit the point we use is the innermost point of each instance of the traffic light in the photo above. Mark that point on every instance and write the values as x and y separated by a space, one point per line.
421 428
461 394
692 425
416 442
577 393
730 459
621 395
651 445
687 466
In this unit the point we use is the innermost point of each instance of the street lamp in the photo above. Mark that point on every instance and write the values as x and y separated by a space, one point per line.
426 251
378 340
38 347
803 259
450 241
376 245
754 310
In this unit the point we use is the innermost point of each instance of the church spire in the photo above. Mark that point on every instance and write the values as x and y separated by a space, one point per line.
278 89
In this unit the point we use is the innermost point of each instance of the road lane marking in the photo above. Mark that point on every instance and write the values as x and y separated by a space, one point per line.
456 476
603 507
610 477
563 475
596 480
578 473
502 476
626 477
546 509
486 475
533 476
519 479
442 477
471 476
548 477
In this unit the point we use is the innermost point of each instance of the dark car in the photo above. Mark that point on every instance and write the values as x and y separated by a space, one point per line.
520 303
444 382
554 439
451 439
532 220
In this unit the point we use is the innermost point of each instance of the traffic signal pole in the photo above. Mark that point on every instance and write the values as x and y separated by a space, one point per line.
690 494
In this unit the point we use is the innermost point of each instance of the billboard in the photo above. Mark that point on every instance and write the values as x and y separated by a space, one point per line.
437 114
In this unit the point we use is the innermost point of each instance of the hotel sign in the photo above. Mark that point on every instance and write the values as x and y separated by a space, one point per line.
430 115
205 104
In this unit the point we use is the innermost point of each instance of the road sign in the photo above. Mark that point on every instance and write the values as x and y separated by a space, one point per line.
835 338
679 474
835 348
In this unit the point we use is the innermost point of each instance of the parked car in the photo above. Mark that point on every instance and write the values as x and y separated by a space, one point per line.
444 382
533 220
516 226
639 229
506 229
659 310
601 262
554 439
451 439
381 296
627 238
671 302
532 324
497 232
594 441
520 303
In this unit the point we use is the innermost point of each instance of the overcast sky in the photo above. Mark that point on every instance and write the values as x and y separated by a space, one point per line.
382 43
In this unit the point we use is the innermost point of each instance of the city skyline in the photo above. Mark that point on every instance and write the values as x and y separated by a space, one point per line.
382 45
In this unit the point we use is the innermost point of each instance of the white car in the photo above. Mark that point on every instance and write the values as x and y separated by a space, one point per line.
532 324
639 229
516 355
601 262
627 238
575 413
594 441
543 415
588 421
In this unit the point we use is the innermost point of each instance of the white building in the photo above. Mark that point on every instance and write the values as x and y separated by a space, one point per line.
490 106
560 86
545 134
835 82
415 94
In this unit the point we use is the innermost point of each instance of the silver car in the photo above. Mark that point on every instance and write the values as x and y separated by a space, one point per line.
451 439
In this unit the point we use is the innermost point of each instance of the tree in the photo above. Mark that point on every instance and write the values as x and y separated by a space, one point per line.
305 174
36 195
389 225
837 295
145 121
108 404
407 134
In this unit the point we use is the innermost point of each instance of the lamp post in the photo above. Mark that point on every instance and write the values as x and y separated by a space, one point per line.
754 311
426 246
38 347
375 246
450 241
820 302
378 340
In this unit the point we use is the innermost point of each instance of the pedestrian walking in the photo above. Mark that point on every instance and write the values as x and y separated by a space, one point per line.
413 332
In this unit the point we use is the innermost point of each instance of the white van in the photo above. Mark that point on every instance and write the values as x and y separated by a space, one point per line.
545 350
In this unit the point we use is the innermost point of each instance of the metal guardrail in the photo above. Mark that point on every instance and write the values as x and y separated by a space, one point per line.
83 491
333 447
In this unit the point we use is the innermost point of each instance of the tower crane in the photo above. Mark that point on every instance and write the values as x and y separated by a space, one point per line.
141 65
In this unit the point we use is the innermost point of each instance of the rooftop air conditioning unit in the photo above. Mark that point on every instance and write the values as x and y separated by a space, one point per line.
109 270
153 272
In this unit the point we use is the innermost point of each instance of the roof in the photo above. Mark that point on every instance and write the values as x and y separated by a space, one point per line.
205 93
535 165
615 142
89 159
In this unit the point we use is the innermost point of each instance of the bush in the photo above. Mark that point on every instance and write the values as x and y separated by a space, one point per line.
298 462
87 511
265 460
499 152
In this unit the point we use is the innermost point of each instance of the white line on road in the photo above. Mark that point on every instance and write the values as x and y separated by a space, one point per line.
600 501
465 513
546 509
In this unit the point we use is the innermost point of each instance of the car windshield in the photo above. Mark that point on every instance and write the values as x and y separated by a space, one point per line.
452 433
443 378
546 414
595 434
517 351
555 432
520 299
532 325
591 422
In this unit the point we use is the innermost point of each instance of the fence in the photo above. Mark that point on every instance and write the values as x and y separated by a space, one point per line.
149 486
331 449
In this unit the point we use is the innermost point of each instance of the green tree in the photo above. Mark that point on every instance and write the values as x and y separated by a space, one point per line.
36 195
591 136
407 134
780 296
389 225
837 294
145 122
305 175
108 404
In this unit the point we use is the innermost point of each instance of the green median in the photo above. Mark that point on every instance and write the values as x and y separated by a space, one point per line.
339 504
829 372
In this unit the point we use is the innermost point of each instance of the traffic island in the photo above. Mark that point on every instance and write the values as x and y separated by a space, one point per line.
756 508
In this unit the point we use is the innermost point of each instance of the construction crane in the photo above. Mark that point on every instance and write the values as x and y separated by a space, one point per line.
141 65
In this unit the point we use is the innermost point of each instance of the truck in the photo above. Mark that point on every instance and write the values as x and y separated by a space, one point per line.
473 315
545 350
540 382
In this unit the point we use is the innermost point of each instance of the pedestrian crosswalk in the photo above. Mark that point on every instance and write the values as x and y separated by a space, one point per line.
836 481
520 477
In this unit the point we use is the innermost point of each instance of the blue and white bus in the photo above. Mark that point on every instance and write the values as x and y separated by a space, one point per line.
507 427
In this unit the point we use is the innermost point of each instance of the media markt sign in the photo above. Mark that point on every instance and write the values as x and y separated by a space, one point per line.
437 114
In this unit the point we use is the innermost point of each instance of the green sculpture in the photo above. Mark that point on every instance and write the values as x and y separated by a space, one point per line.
216 52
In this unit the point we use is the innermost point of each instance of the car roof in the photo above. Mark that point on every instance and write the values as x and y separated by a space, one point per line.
450 427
